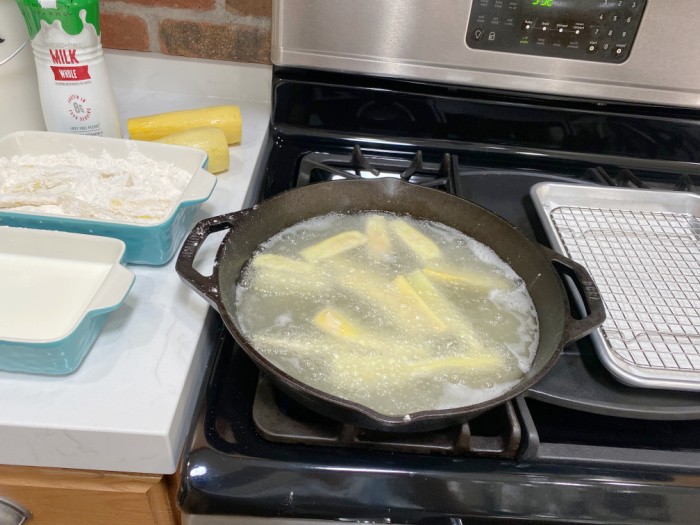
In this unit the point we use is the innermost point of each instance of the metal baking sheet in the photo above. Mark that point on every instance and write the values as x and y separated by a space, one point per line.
642 248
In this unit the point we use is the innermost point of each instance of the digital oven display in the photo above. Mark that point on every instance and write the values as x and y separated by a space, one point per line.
594 30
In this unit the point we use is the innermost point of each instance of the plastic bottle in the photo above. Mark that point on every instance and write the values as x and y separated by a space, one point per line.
75 92
20 108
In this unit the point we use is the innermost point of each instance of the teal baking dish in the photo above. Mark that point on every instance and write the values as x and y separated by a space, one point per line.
57 291
152 243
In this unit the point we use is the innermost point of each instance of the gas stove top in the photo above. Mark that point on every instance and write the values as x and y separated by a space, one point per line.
577 447
255 453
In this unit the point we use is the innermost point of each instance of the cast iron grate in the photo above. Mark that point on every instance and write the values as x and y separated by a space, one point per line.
625 177
322 167
278 418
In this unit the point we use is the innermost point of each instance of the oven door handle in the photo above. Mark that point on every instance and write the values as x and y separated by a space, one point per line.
205 285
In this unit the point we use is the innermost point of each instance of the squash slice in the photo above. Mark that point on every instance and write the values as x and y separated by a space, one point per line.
334 245
407 291
378 241
470 278
271 261
334 323
424 248
442 307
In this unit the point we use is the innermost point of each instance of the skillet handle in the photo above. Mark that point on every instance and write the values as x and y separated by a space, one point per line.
588 291
206 286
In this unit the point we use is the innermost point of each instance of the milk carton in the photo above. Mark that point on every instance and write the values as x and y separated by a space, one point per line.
76 95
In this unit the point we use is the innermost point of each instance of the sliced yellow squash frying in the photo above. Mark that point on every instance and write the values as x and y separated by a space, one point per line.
336 324
276 282
400 307
281 263
348 368
442 307
334 245
378 241
407 291
420 244
470 278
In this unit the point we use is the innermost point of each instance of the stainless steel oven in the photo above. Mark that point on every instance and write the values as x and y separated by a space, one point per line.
484 99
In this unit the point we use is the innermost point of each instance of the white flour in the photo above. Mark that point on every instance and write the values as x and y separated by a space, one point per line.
133 189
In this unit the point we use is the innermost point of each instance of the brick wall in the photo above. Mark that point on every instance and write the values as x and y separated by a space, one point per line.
236 30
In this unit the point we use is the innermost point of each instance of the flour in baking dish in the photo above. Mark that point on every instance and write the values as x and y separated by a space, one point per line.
134 188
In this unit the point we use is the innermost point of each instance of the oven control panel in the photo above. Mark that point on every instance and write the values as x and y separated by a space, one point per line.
597 30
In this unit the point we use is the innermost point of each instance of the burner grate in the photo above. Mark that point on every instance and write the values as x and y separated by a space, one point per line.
277 418
322 167
626 178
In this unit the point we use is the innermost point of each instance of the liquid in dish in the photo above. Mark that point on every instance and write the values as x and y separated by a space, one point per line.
397 314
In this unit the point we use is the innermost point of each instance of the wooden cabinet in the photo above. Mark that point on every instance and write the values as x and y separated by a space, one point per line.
75 497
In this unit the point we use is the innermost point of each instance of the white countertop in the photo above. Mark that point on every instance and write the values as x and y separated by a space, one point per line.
128 407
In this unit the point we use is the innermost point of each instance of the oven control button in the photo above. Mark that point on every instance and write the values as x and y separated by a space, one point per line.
592 48
601 17
619 50
492 36
478 34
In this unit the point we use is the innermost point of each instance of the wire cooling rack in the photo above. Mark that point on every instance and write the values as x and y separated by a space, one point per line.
646 265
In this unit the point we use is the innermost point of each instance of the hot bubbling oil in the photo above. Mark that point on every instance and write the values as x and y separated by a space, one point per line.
397 314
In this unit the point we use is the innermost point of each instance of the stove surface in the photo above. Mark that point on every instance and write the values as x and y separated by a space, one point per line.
579 380
257 452
578 447
607 472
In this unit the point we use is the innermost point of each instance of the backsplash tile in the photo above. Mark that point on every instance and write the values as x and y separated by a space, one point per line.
233 30
121 31
250 7
236 42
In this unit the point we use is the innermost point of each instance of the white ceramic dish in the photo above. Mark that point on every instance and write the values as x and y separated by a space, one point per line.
56 289
152 243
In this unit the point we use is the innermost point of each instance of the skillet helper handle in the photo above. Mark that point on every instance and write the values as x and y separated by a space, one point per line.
588 292
204 285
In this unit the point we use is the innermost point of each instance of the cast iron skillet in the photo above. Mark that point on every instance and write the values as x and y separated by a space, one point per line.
534 263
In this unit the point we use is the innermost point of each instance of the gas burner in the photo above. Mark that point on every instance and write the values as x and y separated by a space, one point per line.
278 418
321 167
